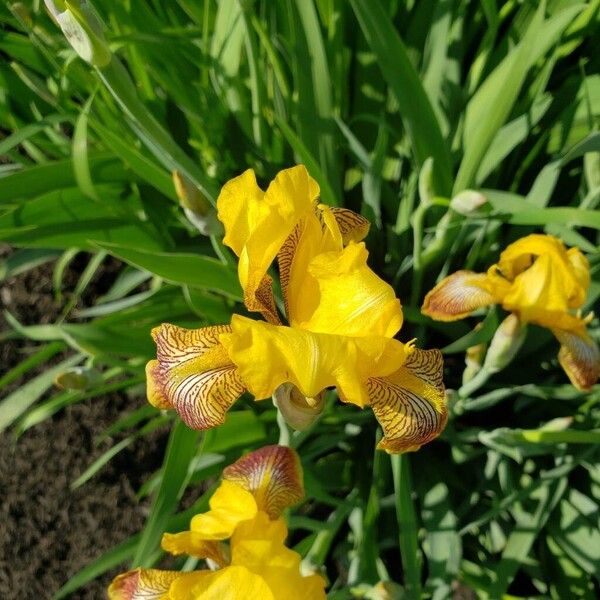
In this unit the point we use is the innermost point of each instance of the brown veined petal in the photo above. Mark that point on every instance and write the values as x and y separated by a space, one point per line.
456 296
193 374
273 474
263 301
153 390
353 227
193 543
142 584
410 404
579 357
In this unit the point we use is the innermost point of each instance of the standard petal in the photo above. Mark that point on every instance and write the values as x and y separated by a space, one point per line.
268 355
272 474
230 583
458 295
230 505
142 584
193 374
579 357
339 294
411 404
257 224
194 544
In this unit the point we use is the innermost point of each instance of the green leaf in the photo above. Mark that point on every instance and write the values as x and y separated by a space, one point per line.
415 109
195 270
181 449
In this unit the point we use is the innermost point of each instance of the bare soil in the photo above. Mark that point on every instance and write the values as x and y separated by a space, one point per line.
48 532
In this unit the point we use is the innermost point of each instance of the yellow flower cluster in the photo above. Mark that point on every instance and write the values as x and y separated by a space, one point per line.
256 564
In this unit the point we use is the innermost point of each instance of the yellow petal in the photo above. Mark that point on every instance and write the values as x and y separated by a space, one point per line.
193 374
579 357
194 544
153 389
257 224
339 294
258 546
540 294
353 226
229 506
149 584
272 474
411 404
458 295
566 272
230 583
268 355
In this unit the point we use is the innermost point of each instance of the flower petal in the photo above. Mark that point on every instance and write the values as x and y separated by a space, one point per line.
142 584
194 544
272 474
353 227
579 357
193 374
456 296
410 404
230 583
268 355
339 294
229 506
257 223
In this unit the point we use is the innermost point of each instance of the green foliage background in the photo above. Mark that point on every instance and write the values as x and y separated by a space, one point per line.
503 96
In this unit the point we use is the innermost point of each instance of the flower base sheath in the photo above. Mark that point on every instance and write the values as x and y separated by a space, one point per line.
255 565
539 281
339 326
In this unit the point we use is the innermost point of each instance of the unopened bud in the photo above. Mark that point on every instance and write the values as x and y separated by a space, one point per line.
82 28
473 359
298 411
468 202
78 379
505 344
199 211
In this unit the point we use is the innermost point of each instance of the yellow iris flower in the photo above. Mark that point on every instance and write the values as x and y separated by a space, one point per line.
539 281
341 318
256 565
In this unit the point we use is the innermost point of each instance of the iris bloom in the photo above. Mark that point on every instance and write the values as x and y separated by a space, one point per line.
341 318
256 565
539 281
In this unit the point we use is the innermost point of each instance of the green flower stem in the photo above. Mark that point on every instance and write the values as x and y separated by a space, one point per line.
418 223
284 430
474 384
407 525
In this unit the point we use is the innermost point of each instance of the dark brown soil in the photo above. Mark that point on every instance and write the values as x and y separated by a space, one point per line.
47 531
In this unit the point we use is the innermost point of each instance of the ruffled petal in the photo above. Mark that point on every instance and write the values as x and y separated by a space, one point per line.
540 294
579 357
410 404
230 583
142 584
193 374
268 355
258 546
339 294
257 224
194 544
272 474
230 505
458 295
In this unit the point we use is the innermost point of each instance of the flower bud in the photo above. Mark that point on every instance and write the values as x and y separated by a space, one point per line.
78 379
82 28
468 202
199 211
505 344
298 411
